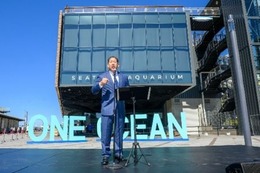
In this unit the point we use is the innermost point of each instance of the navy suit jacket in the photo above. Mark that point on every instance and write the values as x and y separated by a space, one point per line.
108 93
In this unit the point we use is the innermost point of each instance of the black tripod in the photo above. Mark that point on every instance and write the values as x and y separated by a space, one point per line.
132 93
135 146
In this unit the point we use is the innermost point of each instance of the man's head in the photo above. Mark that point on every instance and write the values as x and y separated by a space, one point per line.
112 63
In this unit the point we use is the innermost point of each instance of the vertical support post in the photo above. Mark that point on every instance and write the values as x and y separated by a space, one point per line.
204 117
242 108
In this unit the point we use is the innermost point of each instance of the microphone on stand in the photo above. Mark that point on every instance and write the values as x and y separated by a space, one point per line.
115 121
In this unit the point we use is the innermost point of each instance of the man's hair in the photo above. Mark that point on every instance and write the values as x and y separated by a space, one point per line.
112 57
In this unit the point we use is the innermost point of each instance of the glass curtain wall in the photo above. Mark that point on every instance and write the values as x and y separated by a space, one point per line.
154 43
253 12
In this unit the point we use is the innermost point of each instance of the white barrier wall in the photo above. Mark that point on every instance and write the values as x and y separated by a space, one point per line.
193 110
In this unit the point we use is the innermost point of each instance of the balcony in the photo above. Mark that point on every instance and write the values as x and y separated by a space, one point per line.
215 47
214 78
215 26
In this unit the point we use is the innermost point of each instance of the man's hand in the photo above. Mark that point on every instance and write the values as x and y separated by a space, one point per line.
103 82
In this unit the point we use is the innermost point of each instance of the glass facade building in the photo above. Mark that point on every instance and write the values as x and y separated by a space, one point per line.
155 48
244 12
153 45
246 19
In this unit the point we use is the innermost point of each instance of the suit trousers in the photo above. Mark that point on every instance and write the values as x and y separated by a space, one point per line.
107 127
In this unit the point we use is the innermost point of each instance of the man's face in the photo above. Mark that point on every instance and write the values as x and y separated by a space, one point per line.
112 64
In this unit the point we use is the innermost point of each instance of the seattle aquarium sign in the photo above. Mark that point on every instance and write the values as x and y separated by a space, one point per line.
68 129
136 78
184 77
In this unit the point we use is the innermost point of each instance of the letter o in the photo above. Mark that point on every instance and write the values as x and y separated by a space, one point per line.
44 131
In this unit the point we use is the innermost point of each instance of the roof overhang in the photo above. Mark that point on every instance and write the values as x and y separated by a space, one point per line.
80 100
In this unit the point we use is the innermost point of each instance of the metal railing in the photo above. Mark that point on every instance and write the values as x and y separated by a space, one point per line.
213 45
11 135
194 11
255 124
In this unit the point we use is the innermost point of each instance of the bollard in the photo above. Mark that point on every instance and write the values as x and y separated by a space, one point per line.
4 136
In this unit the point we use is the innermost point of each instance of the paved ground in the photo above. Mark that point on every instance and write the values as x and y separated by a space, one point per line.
199 154
23 141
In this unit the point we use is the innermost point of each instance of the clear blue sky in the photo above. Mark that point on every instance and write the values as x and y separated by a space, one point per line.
28 40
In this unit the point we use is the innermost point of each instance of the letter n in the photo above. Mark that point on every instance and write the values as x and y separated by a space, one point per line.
172 122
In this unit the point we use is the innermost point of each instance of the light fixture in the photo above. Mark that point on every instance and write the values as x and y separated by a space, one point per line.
202 18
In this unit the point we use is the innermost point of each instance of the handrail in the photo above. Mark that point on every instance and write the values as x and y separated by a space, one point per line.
194 11
211 46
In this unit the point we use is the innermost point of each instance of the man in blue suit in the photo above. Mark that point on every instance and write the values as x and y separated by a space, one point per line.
107 82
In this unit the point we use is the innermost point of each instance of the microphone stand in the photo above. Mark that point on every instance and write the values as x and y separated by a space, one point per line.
114 165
